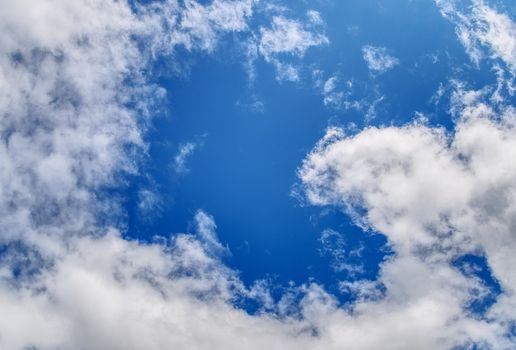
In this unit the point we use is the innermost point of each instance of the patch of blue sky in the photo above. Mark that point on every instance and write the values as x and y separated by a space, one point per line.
475 266
256 134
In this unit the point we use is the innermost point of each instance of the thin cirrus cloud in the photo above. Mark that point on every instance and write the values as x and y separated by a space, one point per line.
70 280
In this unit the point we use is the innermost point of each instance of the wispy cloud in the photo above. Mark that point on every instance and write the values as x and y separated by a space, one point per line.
378 60
483 30
334 245
185 151
288 37
149 203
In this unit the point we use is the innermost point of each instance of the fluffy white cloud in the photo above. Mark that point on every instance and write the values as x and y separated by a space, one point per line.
110 293
377 59
64 125
436 196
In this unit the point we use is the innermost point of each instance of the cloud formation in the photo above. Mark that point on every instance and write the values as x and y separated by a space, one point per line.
437 196
74 106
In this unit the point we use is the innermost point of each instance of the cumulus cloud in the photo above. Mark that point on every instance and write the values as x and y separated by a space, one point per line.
64 127
111 293
377 59
436 196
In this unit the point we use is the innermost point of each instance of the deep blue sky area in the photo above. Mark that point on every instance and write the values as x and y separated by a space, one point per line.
243 169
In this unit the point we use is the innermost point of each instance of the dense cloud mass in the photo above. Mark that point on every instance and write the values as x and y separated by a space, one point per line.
74 107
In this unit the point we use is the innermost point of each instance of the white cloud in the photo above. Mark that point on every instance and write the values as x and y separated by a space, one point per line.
338 95
315 17
287 37
206 230
202 24
480 26
351 94
64 126
332 97
110 293
436 196
185 151
252 103
363 290
377 59
285 71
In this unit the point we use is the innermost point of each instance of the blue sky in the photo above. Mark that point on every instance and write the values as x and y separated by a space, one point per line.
243 160
243 173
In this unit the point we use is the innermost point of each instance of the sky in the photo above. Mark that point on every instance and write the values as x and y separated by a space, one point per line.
250 174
